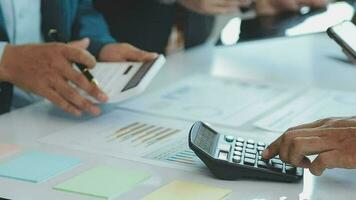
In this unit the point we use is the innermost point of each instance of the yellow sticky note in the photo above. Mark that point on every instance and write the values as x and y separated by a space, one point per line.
8 149
178 190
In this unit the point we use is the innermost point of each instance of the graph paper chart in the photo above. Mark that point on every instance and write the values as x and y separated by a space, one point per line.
142 134
132 136
178 154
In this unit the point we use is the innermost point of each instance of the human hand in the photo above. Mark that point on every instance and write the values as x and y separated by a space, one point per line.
332 140
273 7
212 7
46 70
124 52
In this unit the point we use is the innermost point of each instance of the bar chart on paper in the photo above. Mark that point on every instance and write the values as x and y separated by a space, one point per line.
132 136
142 135
176 154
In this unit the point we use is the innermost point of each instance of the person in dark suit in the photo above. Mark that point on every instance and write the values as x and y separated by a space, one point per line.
46 68
147 24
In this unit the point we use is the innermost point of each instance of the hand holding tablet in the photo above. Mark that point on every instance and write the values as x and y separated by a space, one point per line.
123 80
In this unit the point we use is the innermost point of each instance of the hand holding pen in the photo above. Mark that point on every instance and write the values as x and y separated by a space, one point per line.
84 80
53 35
47 70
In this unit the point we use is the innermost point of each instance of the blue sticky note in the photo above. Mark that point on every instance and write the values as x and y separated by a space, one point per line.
37 166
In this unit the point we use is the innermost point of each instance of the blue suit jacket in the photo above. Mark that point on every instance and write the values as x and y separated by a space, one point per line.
73 19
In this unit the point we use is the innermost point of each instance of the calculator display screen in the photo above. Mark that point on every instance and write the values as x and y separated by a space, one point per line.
206 139
140 74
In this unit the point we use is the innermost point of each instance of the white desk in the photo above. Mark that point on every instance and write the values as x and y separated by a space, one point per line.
311 60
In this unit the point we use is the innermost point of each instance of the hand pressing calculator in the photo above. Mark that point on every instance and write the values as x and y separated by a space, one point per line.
230 158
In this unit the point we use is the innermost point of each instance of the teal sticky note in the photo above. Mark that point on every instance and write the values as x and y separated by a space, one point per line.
37 166
103 182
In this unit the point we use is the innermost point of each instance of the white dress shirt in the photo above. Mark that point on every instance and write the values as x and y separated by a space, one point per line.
23 25
22 21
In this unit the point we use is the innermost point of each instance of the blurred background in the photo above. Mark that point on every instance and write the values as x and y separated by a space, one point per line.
230 30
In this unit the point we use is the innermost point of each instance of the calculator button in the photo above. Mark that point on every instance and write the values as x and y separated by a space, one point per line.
290 169
260 152
261 144
260 148
262 164
240 139
277 161
222 155
250 146
249 161
252 151
238 148
237 153
236 159
224 147
239 144
250 142
252 156
229 138
299 171
278 167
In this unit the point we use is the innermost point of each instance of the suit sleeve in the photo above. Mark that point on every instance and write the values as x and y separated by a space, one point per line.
89 23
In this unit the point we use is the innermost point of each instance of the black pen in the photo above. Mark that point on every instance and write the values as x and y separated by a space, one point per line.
53 35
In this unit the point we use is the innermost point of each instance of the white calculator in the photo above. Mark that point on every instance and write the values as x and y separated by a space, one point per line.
123 80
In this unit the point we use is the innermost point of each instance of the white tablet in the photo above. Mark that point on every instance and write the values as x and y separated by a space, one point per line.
345 35
123 80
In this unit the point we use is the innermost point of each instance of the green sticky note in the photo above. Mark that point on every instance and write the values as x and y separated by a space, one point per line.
103 182
178 190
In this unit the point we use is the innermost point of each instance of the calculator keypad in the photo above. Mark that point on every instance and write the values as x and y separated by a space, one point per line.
248 152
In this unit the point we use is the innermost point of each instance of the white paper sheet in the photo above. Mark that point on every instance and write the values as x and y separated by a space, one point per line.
139 137
132 136
218 101
311 106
